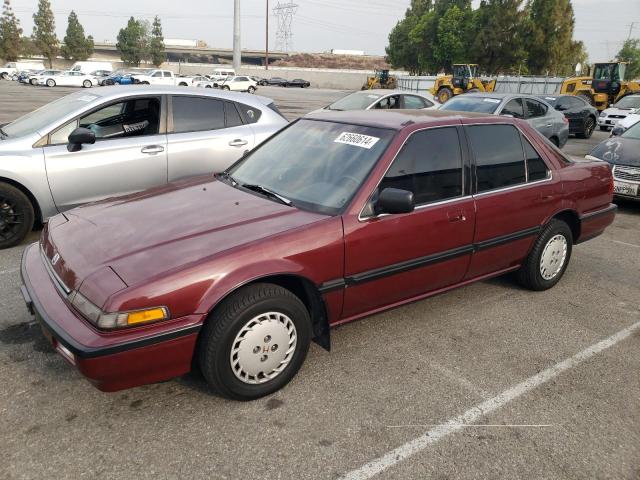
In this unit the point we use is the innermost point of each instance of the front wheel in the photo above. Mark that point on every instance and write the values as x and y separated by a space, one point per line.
444 94
252 89
33 81
255 342
51 83
549 257
5 76
587 128
16 216
87 84
225 87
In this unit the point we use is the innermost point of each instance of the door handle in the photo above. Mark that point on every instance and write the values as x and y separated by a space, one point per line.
152 149
549 125
238 142
457 216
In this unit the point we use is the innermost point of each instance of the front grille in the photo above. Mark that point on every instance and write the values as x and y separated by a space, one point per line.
617 116
631 174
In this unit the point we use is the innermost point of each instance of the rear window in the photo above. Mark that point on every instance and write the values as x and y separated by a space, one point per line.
464 103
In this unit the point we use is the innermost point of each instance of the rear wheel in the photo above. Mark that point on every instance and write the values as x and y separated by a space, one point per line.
555 141
549 257
5 76
225 87
255 342
16 215
251 89
182 84
587 128
51 83
33 81
87 84
444 94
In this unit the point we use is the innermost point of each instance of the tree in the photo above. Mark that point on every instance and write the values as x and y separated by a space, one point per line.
44 31
10 32
451 39
498 44
550 36
156 43
132 42
76 45
630 52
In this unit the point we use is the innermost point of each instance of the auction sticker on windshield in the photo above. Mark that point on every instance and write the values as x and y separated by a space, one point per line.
492 100
357 140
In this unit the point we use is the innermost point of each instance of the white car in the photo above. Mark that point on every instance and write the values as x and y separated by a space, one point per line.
35 79
238 84
618 111
69 79
383 99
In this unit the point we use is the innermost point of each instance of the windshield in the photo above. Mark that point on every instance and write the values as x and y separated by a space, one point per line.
628 102
316 165
464 103
43 117
355 101
633 132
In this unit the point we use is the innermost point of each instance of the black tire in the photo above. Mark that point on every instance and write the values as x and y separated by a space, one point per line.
219 333
251 89
555 141
444 94
51 83
33 81
16 216
5 76
182 84
587 128
144 83
226 87
207 86
530 275
87 84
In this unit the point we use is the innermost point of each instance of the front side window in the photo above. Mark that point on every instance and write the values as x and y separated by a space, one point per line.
317 165
167 74
429 165
498 154
389 103
514 108
131 118
157 74
197 114
355 101
534 108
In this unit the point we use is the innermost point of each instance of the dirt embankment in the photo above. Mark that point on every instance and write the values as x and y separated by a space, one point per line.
320 60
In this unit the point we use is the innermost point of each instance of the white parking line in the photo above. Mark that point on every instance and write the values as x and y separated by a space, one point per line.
472 415
627 244
7 272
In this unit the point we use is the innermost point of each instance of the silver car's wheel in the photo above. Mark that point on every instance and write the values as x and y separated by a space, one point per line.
51 83
553 257
263 348
86 84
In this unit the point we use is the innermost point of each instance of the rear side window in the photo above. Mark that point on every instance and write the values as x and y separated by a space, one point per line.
196 114
429 165
413 102
514 108
249 114
498 154
534 108
536 168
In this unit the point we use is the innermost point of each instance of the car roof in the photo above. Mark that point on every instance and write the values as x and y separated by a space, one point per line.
114 92
397 119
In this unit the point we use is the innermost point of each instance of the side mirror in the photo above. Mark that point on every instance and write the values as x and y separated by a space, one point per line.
617 131
79 137
394 200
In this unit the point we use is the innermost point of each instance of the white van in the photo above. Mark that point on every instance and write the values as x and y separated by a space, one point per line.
11 68
90 67
223 72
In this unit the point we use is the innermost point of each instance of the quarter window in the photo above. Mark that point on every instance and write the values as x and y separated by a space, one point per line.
197 114
498 154
429 165
232 117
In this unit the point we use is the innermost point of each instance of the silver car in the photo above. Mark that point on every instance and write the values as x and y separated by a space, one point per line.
117 140
538 113
382 99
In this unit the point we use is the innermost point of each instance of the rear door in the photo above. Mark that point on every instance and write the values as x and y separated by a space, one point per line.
129 154
536 115
206 135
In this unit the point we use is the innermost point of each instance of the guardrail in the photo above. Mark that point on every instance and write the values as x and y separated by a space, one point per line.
504 84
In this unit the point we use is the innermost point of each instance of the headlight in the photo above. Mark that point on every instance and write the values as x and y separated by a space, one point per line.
116 319
602 114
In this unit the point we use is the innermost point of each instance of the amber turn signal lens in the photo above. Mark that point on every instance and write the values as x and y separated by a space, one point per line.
144 316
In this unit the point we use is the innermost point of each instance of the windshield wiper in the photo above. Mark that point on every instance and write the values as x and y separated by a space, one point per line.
3 133
268 192
226 176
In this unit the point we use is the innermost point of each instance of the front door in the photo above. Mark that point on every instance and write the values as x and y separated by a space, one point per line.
207 136
390 258
129 154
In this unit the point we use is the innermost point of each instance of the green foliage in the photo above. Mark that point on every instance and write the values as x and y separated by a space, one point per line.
502 36
630 52
133 42
76 46
44 32
10 34
156 43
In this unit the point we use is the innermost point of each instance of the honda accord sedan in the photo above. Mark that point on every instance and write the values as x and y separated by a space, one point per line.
113 141
339 216
539 114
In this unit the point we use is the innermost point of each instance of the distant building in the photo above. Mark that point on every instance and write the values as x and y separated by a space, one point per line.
335 51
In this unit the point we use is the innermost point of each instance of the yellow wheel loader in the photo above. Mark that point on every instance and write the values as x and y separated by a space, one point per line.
464 79
381 79
604 87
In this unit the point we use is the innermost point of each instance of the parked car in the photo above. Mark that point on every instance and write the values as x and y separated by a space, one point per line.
618 111
274 81
623 153
582 115
101 75
35 78
119 77
23 76
237 84
13 68
382 99
90 67
338 216
297 82
69 79
160 77
113 141
539 114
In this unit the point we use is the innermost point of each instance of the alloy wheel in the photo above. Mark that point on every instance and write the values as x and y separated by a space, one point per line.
10 219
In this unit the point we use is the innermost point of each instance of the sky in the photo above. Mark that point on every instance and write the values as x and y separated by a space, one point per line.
318 25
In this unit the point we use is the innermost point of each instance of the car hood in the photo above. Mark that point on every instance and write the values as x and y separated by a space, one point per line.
158 231
618 151
619 111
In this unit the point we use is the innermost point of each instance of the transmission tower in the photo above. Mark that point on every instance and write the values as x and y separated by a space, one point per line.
284 12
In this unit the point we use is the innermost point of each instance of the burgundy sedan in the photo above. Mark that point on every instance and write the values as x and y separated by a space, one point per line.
339 216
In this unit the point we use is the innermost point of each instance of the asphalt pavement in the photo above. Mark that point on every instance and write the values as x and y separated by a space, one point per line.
488 381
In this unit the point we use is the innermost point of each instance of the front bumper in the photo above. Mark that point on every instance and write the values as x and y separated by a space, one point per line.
114 360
